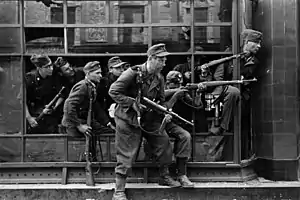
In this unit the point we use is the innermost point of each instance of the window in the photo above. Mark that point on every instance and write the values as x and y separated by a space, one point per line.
83 31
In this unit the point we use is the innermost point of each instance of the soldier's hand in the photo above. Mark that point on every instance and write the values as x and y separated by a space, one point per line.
187 75
168 118
32 122
136 107
201 87
180 93
85 129
47 111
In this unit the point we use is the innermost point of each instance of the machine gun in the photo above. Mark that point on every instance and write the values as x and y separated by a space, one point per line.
203 85
48 106
88 168
205 68
154 106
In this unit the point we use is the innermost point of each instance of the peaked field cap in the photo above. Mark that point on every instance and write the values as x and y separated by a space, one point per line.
251 35
91 66
40 60
115 62
158 50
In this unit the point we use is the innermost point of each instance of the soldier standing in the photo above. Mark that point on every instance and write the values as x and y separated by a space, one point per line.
41 88
126 92
251 43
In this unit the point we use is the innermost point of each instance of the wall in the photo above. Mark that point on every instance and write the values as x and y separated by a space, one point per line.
276 94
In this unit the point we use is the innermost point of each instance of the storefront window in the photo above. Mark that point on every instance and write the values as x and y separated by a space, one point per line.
93 30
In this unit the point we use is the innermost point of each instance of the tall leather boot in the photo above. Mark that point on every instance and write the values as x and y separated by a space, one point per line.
182 178
119 193
166 179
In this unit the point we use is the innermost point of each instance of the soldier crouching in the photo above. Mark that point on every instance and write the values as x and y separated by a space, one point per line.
77 105
125 92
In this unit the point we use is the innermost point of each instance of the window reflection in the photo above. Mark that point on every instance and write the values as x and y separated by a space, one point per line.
108 40
10 101
10 40
10 150
40 13
11 17
44 40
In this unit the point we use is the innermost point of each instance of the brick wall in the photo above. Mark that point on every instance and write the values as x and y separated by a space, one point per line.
276 95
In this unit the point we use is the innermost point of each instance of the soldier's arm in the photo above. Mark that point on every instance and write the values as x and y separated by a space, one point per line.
119 89
219 76
74 101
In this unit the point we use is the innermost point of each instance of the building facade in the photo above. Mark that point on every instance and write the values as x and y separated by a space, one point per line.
83 31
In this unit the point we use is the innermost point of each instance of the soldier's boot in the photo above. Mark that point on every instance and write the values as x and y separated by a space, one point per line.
166 179
182 178
119 193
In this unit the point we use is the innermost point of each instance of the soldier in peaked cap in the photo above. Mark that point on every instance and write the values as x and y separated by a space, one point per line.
144 79
41 88
116 68
251 40
76 105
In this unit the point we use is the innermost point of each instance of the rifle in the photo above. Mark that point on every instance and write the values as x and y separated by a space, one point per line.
48 106
201 86
152 105
88 168
205 67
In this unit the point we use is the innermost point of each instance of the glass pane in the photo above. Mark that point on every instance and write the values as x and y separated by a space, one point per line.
44 150
169 11
107 40
88 12
173 37
43 13
213 38
44 40
10 97
209 11
10 40
9 12
10 149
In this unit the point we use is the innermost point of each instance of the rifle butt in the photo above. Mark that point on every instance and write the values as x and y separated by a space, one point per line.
88 168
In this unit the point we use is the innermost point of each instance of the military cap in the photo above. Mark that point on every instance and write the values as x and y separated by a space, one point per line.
174 77
251 35
40 60
91 66
158 50
60 62
115 62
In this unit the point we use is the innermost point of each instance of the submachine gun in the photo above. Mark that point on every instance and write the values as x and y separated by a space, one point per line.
48 106
161 109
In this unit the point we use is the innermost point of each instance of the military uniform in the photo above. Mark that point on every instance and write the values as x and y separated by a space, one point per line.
128 133
76 109
39 92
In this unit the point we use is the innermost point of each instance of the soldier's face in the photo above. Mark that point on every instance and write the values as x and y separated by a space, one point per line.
157 64
117 71
47 69
95 76
67 70
252 47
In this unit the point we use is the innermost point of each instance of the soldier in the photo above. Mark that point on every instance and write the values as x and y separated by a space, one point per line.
251 43
146 80
116 68
41 88
69 74
186 104
77 104
185 68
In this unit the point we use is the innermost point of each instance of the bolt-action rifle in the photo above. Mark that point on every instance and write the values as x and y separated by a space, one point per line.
88 168
48 106
203 85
